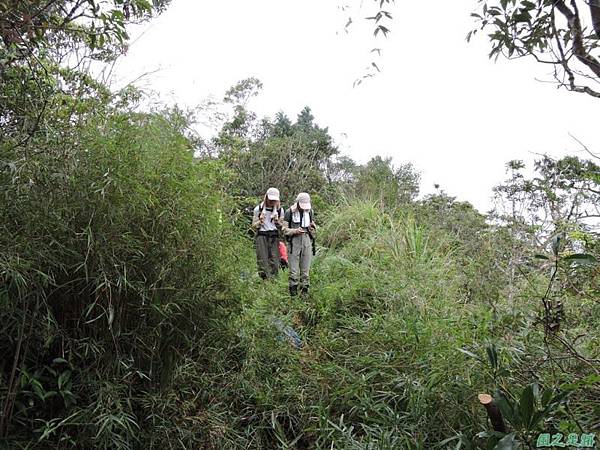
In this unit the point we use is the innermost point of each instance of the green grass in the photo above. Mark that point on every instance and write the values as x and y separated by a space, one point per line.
387 332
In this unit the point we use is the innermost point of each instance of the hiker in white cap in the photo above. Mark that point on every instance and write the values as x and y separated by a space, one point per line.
299 229
266 221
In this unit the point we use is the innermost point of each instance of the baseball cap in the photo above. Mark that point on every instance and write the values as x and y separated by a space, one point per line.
303 200
273 193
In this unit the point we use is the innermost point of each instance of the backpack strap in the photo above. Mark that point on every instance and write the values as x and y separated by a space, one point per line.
288 216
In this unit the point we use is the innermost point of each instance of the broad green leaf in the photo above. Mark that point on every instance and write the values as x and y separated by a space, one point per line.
492 356
63 378
526 405
506 408
546 397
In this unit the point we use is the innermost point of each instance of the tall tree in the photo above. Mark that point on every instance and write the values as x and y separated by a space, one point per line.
261 152
38 40
380 180
31 28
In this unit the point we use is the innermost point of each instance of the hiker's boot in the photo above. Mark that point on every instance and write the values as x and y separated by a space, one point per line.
293 291
304 291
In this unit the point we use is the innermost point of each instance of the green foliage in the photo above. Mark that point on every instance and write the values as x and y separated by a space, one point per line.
378 370
379 180
553 32
396 349
290 156
117 258
129 319
30 28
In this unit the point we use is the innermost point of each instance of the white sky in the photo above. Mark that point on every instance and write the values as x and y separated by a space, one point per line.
438 102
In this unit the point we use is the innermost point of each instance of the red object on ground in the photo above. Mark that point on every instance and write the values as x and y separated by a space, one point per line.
283 255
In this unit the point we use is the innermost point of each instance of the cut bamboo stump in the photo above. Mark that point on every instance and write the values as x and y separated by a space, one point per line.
493 412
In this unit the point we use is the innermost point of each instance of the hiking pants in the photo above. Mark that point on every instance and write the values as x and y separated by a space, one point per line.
267 254
299 257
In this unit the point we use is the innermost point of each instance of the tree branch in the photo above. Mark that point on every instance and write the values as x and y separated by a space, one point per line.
584 147
564 62
595 11
579 49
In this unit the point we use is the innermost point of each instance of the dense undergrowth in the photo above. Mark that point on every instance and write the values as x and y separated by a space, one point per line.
395 350
131 316
117 257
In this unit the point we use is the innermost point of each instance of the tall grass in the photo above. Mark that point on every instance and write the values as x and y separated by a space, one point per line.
388 342
129 319
115 264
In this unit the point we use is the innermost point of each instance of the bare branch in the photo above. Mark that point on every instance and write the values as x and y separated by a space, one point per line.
584 147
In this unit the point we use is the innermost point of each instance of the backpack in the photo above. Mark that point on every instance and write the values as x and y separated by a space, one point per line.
283 255
288 216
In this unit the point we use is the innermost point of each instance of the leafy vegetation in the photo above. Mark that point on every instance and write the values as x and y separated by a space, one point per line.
561 34
131 317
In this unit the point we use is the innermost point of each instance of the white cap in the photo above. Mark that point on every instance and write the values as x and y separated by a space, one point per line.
303 200
273 194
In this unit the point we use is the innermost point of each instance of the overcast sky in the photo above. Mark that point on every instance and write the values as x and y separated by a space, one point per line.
438 102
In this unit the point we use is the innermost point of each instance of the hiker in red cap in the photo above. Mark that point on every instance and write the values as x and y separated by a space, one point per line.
299 229
266 221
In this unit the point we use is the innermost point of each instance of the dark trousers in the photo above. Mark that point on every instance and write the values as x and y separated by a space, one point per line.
267 255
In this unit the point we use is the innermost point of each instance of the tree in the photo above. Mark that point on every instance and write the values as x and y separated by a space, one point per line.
477 246
562 197
30 29
37 41
380 180
292 156
549 213
561 34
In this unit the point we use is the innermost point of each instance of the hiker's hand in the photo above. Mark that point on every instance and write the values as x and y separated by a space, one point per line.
313 226
299 231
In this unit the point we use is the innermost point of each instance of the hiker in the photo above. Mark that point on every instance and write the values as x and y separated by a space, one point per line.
266 221
299 229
